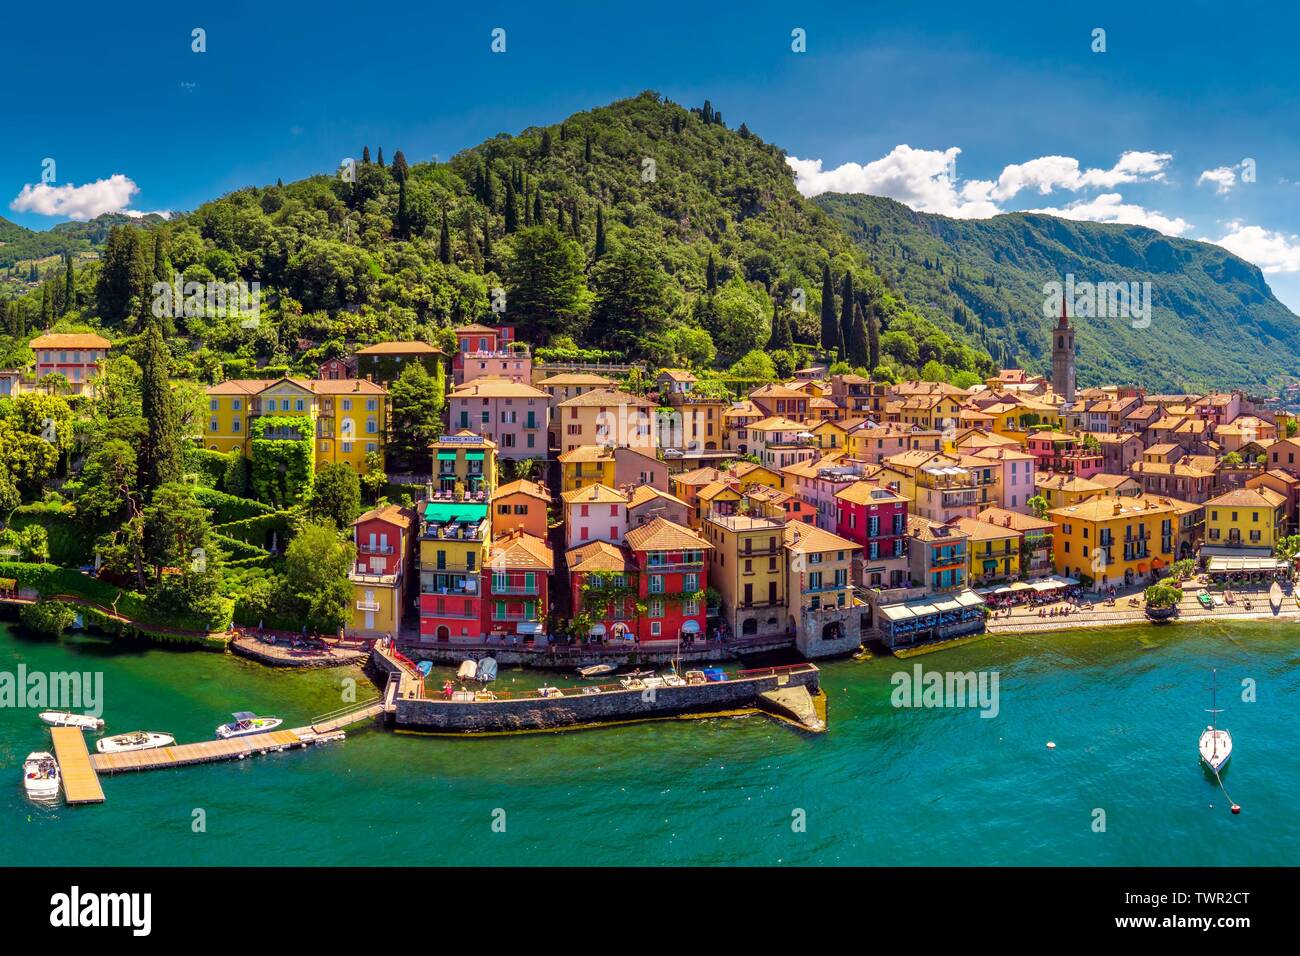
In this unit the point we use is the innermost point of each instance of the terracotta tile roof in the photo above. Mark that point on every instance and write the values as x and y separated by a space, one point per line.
700 476
606 397
576 378
1248 498
664 535
522 487
491 386
340 386
923 529
803 538
1014 519
520 550
239 386
476 327
400 348
677 375
598 556
715 488
1103 508
393 514
594 494
70 340
647 493
868 493
587 453
978 530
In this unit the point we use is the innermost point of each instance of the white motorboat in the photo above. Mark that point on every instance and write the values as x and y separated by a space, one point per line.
1215 743
135 740
596 670
246 723
65 718
41 776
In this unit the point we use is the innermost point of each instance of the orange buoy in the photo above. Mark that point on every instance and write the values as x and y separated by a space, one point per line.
1236 808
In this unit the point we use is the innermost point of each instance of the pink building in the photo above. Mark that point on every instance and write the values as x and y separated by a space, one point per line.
515 364
75 356
479 342
594 513
1059 452
1015 479
512 414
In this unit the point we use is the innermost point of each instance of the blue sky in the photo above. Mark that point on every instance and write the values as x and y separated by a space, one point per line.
1040 120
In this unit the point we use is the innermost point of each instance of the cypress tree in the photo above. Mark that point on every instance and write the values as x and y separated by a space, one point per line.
830 336
546 142
711 275
539 211
403 220
528 208
279 182
575 219
846 308
559 211
600 232
782 338
444 241
511 214
586 150
161 271
159 458
365 155
487 237
859 354
381 157
873 336
69 285
400 170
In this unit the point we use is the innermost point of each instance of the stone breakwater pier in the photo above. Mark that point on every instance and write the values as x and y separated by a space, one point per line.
792 694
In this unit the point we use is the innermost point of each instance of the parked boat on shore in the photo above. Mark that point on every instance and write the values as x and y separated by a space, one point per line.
1275 597
135 740
41 777
62 718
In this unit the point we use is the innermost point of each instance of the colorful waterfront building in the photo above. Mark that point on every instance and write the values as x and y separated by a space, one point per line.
466 461
1113 541
481 342
343 419
825 606
521 505
875 518
1246 518
74 355
1035 537
455 537
940 488
603 581
1059 452
937 554
383 539
594 513
606 417
994 552
748 568
515 586
672 580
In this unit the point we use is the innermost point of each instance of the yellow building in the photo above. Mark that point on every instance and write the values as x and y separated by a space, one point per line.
382 538
1246 518
587 465
825 611
347 417
993 551
465 460
1116 541
747 567
752 475
717 497
1061 489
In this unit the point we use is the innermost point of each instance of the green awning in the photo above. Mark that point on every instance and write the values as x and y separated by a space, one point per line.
473 477
473 456
446 456
440 512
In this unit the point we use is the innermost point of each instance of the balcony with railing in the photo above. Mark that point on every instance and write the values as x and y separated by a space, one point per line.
368 606
367 548
455 531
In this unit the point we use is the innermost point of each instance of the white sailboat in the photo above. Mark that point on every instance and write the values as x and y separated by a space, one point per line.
41 777
1215 744
64 718
136 740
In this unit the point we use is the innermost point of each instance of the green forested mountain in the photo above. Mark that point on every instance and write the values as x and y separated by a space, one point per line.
1214 323
642 228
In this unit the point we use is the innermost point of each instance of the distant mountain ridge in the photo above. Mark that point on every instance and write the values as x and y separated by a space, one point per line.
1215 321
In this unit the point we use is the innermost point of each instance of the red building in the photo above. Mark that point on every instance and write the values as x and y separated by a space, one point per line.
383 538
661 566
515 583
479 339
876 518
671 580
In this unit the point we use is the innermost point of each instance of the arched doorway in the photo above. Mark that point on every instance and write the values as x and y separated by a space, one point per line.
444 634
832 631
749 627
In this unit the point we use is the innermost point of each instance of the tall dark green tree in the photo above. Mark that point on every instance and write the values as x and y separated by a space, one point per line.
511 213
124 275
600 232
539 210
400 170
545 283
830 337
873 335
402 223
859 353
365 155
69 285
586 150
711 275
162 269
846 308
380 160
782 337
546 142
444 241
160 456
632 298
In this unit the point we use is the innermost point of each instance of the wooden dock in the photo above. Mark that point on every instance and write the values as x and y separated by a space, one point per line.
80 784
180 755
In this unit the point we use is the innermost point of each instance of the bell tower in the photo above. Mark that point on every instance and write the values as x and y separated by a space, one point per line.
1063 356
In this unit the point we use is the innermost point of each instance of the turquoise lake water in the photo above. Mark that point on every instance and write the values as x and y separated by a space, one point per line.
884 786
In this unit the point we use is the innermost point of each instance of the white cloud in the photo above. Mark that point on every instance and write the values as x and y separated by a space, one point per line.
1110 207
920 178
78 202
1223 178
1273 252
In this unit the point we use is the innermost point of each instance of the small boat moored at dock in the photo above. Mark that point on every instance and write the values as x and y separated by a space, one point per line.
468 671
41 776
246 723
595 670
135 740
61 718
487 670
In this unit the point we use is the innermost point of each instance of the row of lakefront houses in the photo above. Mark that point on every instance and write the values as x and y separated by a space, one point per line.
813 513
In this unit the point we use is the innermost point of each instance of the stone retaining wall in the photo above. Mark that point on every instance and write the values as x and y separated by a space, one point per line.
608 706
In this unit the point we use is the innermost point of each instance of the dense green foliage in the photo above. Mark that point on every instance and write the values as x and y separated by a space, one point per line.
1215 322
